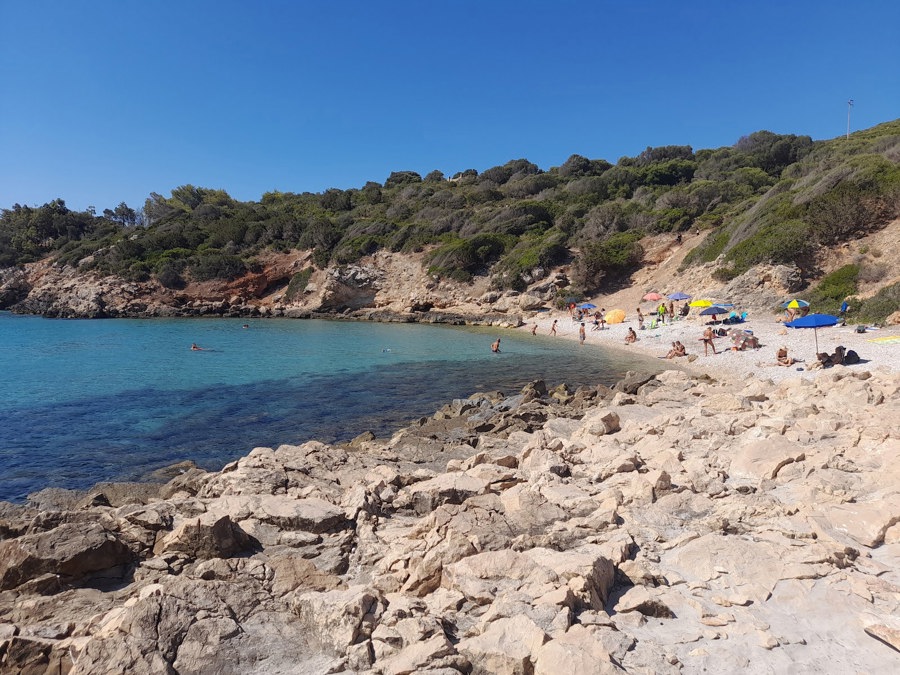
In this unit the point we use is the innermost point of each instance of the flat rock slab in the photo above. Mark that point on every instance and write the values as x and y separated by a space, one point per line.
866 522
764 458
282 511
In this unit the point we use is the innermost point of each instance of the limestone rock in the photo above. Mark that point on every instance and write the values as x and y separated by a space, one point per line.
580 651
427 495
338 619
505 648
68 550
208 536
763 459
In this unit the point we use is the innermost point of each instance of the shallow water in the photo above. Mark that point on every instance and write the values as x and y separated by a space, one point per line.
93 400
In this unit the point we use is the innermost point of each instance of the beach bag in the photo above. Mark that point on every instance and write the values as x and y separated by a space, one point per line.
860 329
850 358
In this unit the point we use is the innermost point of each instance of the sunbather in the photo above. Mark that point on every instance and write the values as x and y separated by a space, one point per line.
782 358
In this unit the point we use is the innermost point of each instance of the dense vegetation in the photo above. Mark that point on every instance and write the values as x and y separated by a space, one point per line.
769 197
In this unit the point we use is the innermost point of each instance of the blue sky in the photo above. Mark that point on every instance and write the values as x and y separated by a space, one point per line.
104 101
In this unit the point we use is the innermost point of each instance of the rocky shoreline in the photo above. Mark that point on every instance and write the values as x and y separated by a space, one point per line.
673 524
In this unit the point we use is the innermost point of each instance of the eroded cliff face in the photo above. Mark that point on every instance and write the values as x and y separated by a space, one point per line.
672 524
386 286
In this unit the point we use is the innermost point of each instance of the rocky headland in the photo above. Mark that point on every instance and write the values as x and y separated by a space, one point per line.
673 524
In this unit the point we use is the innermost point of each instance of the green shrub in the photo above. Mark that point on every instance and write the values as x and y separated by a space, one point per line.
467 255
711 248
349 251
613 257
785 243
826 297
877 308
214 265
298 284
169 275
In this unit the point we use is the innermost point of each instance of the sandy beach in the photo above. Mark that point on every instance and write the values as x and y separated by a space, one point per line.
874 350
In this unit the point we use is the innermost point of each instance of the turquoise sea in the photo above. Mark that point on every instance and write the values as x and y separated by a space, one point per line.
96 400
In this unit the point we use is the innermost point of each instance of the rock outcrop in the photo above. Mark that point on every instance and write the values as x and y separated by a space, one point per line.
672 524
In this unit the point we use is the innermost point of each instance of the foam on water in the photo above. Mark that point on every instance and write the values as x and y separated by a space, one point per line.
94 400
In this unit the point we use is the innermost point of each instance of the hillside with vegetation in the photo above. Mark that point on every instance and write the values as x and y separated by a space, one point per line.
768 199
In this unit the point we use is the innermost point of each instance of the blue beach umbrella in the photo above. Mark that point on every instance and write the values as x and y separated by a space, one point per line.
814 321
714 310
587 305
679 296
795 304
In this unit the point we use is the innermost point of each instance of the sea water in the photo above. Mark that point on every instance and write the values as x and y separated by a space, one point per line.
96 400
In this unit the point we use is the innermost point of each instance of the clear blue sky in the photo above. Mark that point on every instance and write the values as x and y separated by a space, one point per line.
103 101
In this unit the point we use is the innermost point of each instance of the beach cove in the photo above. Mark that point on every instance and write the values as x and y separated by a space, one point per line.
89 401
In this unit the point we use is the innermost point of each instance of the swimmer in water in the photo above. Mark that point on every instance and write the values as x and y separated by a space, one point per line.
496 346
195 348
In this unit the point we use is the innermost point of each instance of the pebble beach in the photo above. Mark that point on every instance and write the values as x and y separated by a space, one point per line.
878 348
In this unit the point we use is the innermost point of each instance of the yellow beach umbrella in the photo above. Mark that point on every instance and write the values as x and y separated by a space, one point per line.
615 316
701 303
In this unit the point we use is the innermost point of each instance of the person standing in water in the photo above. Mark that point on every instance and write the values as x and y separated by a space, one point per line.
496 346
581 335
553 327
534 329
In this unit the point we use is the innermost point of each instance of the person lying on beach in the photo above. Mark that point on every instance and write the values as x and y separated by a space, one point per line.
631 337
782 358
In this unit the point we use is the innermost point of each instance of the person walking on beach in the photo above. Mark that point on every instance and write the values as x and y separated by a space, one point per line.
534 329
671 311
496 346
708 341
553 327
581 335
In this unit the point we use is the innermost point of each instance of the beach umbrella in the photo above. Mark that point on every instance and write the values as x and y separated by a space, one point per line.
679 296
795 304
724 304
814 321
701 303
615 316
587 305
653 296
714 310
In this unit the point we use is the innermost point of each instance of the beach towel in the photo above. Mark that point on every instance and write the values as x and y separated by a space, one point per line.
890 339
